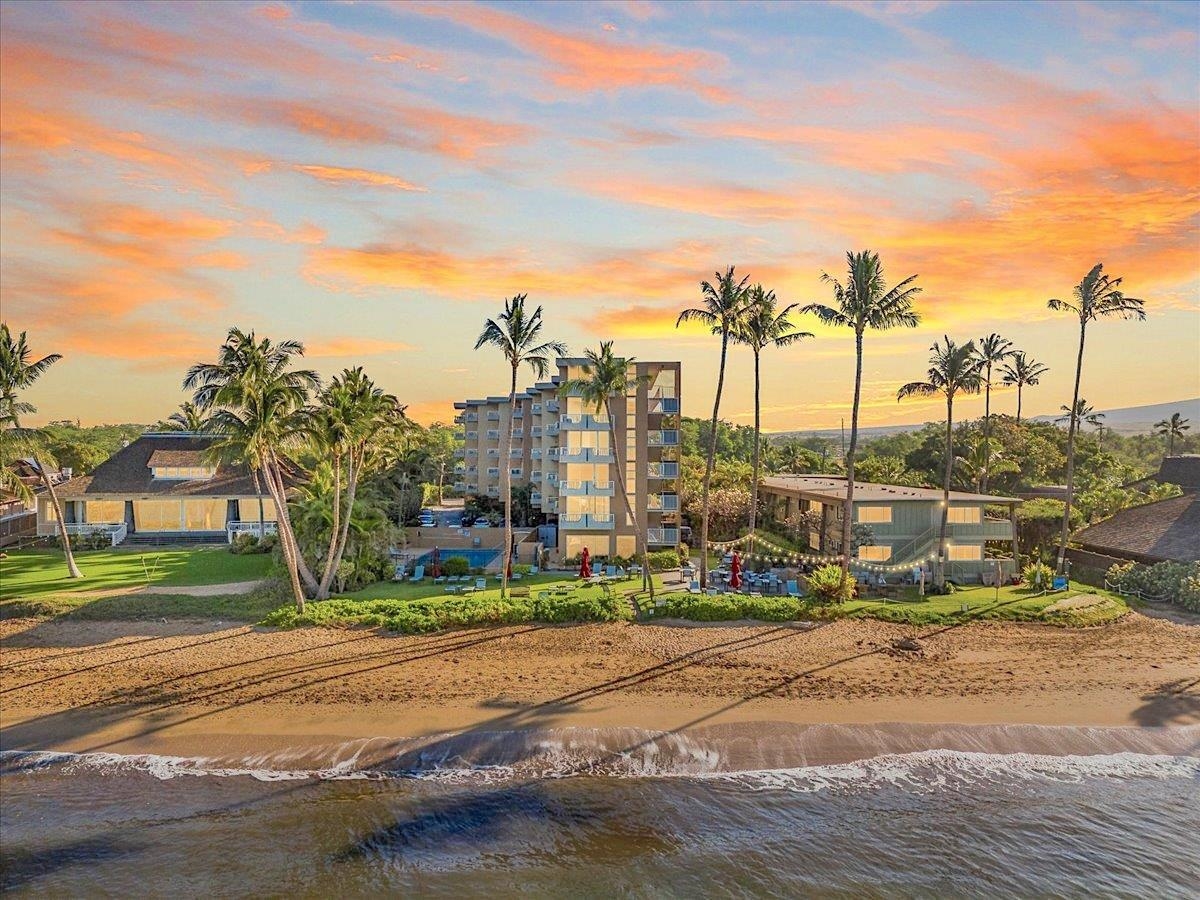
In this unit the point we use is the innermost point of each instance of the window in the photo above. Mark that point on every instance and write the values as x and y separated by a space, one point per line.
157 515
105 511
184 473
875 514
881 553
964 552
248 510
204 515
515 472
965 515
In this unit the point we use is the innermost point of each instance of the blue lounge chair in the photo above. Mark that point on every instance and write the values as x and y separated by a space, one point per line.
480 584
533 570
610 571
694 587
441 579
1060 583
793 589
398 572
418 574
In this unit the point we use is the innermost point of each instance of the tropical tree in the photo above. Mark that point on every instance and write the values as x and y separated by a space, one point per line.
18 372
1022 371
187 418
1083 412
981 458
723 305
953 370
992 350
517 335
1096 297
604 377
257 404
763 325
863 302
1172 428
350 423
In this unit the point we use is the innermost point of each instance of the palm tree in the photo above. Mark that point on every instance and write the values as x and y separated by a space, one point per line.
1083 413
187 418
863 302
1173 427
1020 372
1096 297
258 405
18 371
605 377
981 458
724 303
952 370
351 417
763 325
516 335
992 350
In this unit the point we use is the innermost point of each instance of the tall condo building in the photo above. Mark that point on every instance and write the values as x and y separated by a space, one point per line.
565 453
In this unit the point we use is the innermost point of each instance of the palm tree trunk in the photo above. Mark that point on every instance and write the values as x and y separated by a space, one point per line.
506 476
1019 386
285 546
351 494
283 526
757 458
848 506
72 568
638 534
940 577
987 429
1066 522
335 527
711 461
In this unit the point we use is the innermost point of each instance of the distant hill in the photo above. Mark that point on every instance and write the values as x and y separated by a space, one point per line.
1128 420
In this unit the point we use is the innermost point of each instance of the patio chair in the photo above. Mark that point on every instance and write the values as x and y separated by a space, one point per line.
480 584
418 574
610 571
793 588
533 570
694 586
441 579
398 572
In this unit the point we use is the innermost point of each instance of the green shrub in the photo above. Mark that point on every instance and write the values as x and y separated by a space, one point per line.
521 568
92 540
1178 582
828 585
662 560
728 607
456 566
1038 576
578 609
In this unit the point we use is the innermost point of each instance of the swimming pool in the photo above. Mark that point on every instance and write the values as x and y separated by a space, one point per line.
477 558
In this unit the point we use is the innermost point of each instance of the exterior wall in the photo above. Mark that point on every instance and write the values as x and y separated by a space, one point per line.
153 513
564 451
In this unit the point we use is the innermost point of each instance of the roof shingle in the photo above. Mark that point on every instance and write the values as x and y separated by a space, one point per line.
1164 530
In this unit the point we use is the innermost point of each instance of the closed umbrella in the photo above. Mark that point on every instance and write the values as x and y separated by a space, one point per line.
735 572
435 562
585 564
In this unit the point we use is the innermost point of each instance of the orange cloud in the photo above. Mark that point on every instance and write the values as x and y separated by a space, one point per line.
353 347
337 174
577 62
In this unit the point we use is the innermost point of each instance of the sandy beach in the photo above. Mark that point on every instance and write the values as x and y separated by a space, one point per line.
187 688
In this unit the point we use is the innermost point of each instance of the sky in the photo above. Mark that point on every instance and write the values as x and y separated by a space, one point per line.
375 178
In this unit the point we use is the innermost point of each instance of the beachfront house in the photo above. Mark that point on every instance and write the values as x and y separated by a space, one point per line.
162 488
903 523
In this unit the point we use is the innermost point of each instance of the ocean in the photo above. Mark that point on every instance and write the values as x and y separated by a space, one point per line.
730 811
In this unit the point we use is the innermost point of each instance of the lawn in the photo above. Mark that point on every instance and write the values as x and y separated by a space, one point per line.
27 574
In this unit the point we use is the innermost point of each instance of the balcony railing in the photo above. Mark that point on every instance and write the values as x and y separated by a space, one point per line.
667 405
662 470
585 488
535 431
116 531
535 497
459 468
460 453
583 422
250 526
460 435
552 429
536 452
493 451
586 521
493 434
493 491
662 438
668 536
552 406
460 485
459 419
518 432
493 416
536 409
493 473
584 454
663 502
535 475
515 453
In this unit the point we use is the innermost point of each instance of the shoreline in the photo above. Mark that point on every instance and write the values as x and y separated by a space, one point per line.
208 689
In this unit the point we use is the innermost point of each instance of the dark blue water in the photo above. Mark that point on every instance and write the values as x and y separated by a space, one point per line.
570 821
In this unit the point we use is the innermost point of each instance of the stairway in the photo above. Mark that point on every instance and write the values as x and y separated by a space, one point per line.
174 538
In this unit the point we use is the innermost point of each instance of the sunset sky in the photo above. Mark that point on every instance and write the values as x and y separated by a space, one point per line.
376 178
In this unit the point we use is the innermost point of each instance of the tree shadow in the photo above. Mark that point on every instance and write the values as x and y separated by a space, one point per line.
21 865
1173 703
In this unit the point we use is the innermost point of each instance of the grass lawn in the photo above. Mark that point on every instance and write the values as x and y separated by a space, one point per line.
27 574
252 607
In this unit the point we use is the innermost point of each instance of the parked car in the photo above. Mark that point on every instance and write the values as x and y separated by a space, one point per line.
481 523
426 520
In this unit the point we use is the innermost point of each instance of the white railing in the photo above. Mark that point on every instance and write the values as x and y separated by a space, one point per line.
116 531
233 529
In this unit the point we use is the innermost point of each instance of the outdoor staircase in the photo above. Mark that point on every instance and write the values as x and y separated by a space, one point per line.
175 538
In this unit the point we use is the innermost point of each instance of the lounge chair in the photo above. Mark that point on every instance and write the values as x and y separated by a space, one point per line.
441 579
533 570
694 587
480 584
398 572
610 571
418 574
793 589
1060 583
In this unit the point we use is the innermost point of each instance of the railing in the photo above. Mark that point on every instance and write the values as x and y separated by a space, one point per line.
471 417
493 416
668 536
585 454
535 475
471 436
460 435
493 473
459 419
662 470
552 406
472 451
662 438
518 432
668 405
117 531
552 429
249 526
535 431
536 409
582 521
585 488
493 451
535 497
662 502
515 453
583 422
1116 588
460 453
493 434
536 452
493 491
460 485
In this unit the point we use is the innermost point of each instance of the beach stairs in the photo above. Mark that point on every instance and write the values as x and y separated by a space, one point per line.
174 538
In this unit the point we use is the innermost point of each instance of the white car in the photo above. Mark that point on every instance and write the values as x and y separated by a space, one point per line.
427 522
482 523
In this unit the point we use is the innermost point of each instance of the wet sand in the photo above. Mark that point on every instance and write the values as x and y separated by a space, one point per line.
205 688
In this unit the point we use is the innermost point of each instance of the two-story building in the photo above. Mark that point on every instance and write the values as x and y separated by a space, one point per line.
904 522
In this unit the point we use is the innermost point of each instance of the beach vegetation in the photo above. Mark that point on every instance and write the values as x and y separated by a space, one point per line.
456 566
1174 582
829 584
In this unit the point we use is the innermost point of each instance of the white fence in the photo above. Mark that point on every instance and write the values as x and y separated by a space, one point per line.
115 531
233 529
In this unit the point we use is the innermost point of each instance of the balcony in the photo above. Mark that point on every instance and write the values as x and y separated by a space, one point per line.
535 431
519 414
471 436
493 451
552 406
668 536
459 419
536 452
584 454
585 488
518 432
493 491
662 470
988 530
586 521
535 475
460 485
493 434
459 468
662 438
662 502
472 470
493 473
460 435
471 451
460 453
536 409
664 405
535 497
552 429
552 478
515 453
582 422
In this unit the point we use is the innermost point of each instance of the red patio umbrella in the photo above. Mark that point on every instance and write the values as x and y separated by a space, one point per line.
735 572
435 562
585 564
